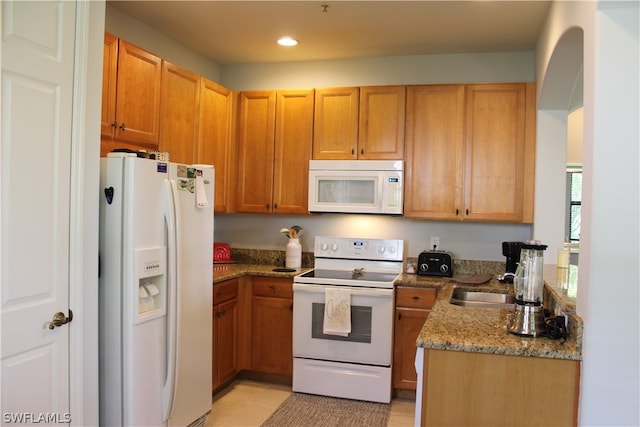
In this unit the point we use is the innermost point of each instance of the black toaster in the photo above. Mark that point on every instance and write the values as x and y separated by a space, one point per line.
435 263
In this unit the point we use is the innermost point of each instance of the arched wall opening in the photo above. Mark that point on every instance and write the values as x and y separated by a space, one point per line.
561 87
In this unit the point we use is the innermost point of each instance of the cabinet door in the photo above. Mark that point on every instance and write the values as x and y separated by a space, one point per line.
545 392
293 140
494 152
335 134
138 94
179 113
256 123
109 80
434 152
225 342
272 326
272 335
214 141
409 322
382 122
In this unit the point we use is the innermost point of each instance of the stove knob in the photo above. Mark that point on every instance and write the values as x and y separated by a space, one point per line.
381 249
334 247
444 268
324 246
392 249
424 266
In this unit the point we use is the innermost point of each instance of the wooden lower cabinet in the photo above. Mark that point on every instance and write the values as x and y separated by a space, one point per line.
461 388
225 332
412 308
272 326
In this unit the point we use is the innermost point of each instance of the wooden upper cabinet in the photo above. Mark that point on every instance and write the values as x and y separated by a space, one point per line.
470 152
138 94
109 80
179 113
434 151
293 141
255 137
274 147
495 152
382 123
335 134
214 140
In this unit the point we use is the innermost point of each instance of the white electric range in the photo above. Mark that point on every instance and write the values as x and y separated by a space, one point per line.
354 362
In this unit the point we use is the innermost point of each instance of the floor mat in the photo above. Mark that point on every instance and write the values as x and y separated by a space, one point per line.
309 410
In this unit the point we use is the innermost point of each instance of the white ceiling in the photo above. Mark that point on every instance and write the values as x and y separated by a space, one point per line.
234 32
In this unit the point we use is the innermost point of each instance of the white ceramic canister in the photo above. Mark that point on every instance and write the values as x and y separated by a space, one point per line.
293 254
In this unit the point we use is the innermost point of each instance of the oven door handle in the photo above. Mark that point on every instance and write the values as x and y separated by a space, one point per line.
364 292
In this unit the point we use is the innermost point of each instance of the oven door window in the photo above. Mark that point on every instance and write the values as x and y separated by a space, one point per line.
361 320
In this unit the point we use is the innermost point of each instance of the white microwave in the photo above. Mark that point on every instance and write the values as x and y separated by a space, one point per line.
356 186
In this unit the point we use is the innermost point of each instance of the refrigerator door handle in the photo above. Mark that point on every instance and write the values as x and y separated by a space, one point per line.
171 216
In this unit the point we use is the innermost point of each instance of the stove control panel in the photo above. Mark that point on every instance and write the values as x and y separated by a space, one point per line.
355 248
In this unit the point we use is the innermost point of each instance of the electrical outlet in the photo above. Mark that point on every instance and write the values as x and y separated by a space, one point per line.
435 243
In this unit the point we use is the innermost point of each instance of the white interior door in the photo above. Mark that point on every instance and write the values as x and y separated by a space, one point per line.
37 89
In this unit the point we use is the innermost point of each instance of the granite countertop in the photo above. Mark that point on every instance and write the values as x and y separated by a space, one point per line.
223 272
457 328
483 330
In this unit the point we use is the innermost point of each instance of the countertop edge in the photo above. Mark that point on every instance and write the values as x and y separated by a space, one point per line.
450 327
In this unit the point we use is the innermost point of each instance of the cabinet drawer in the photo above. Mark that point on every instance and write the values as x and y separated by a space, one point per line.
225 291
415 297
266 287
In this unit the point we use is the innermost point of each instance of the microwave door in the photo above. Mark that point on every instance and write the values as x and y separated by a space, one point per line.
355 192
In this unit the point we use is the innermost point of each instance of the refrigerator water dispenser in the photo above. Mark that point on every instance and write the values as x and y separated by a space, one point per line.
152 283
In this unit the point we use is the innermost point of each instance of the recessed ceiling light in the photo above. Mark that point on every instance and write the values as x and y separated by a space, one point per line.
287 41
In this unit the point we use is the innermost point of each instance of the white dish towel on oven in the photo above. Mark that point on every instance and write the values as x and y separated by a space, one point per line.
337 311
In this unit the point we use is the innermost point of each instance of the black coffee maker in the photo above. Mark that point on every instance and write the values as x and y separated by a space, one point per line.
511 250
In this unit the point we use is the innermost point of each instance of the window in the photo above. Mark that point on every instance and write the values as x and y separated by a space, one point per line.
574 201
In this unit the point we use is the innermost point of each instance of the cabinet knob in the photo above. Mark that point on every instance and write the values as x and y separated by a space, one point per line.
122 126
114 125
457 211
275 206
415 298
466 212
353 151
362 151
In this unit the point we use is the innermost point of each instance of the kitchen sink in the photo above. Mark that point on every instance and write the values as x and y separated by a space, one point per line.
469 298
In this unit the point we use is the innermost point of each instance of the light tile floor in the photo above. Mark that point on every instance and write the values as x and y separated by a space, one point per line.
248 403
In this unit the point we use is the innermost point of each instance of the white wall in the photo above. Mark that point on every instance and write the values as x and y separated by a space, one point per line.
134 31
607 296
464 240
419 69
575 136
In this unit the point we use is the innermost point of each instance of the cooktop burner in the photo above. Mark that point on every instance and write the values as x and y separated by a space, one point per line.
357 275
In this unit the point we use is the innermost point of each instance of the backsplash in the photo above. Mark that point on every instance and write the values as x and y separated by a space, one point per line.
277 258
266 257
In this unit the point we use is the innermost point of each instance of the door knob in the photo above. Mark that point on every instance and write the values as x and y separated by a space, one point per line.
60 319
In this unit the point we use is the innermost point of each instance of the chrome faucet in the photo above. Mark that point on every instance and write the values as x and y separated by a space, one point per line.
502 278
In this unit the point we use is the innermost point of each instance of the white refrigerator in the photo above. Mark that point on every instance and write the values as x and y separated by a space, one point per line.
155 292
